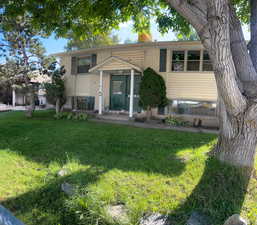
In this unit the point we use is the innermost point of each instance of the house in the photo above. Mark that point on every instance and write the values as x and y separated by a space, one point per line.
19 97
104 79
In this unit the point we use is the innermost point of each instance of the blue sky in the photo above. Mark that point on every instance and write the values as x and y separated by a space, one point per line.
54 45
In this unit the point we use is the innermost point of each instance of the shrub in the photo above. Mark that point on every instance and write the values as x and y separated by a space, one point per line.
152 91
71 116
172 121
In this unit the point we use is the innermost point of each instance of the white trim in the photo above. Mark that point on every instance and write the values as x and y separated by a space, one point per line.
131 98
100 112
98 67
13 97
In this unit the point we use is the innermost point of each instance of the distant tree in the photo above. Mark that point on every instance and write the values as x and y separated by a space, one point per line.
90 41
190 36
55 90
152 92
20 44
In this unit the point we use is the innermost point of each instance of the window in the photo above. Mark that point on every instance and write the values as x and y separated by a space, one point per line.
192 107
207 65
193 60
83 102
84 64
178 59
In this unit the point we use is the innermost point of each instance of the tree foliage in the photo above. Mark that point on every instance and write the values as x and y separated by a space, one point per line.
90 41
89 17
152 92
55 90
20 47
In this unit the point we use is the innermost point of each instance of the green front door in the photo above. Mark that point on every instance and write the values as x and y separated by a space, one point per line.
119 92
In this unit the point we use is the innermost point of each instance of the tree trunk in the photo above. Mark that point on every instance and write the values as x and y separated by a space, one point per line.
31 107
237 142
57 106
148 113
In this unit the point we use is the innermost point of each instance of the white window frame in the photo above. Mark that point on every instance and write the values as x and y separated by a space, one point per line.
186 60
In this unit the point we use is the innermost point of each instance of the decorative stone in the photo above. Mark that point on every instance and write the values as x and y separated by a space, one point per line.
235 220
155 219
118 213
6 217
197 218
68 188
63 172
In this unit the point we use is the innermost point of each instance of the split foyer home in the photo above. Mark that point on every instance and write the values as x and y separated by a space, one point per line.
107 79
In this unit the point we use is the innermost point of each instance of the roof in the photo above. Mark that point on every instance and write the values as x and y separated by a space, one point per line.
122 63
135 45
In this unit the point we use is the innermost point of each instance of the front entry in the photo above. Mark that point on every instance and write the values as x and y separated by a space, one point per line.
119 92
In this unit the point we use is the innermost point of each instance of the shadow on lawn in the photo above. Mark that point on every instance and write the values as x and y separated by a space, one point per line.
48 205
219 194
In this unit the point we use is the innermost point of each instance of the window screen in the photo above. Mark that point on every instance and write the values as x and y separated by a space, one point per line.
193 60
178 59
207 64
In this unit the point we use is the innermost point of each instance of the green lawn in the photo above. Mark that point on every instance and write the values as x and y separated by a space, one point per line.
147 170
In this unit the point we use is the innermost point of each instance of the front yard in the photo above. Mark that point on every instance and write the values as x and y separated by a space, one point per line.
146 170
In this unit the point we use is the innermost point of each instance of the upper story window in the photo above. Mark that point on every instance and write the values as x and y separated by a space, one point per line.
193 60
178 61
84 64
207 65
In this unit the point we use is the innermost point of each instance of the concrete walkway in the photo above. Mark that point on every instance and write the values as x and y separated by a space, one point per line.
155 126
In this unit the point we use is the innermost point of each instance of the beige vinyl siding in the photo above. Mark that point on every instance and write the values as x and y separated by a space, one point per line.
103 55
135 57
191 86
115 65
152 58
81 85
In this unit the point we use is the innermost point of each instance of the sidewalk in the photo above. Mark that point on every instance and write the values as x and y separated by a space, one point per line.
157 126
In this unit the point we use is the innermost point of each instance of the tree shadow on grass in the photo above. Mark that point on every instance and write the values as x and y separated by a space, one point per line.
47 205
219 194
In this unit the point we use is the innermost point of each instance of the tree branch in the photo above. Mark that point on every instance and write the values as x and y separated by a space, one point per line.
189 12
253 28
242 60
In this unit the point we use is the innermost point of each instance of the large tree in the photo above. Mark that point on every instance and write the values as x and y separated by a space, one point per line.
20 46
218 23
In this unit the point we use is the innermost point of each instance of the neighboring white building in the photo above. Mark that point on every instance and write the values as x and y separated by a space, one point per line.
19 97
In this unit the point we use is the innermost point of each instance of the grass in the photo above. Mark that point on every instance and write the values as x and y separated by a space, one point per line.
146 170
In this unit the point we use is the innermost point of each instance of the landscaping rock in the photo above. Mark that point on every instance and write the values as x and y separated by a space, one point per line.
118 213
63 172
155 219
197 218
6 217
68 188
235 220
